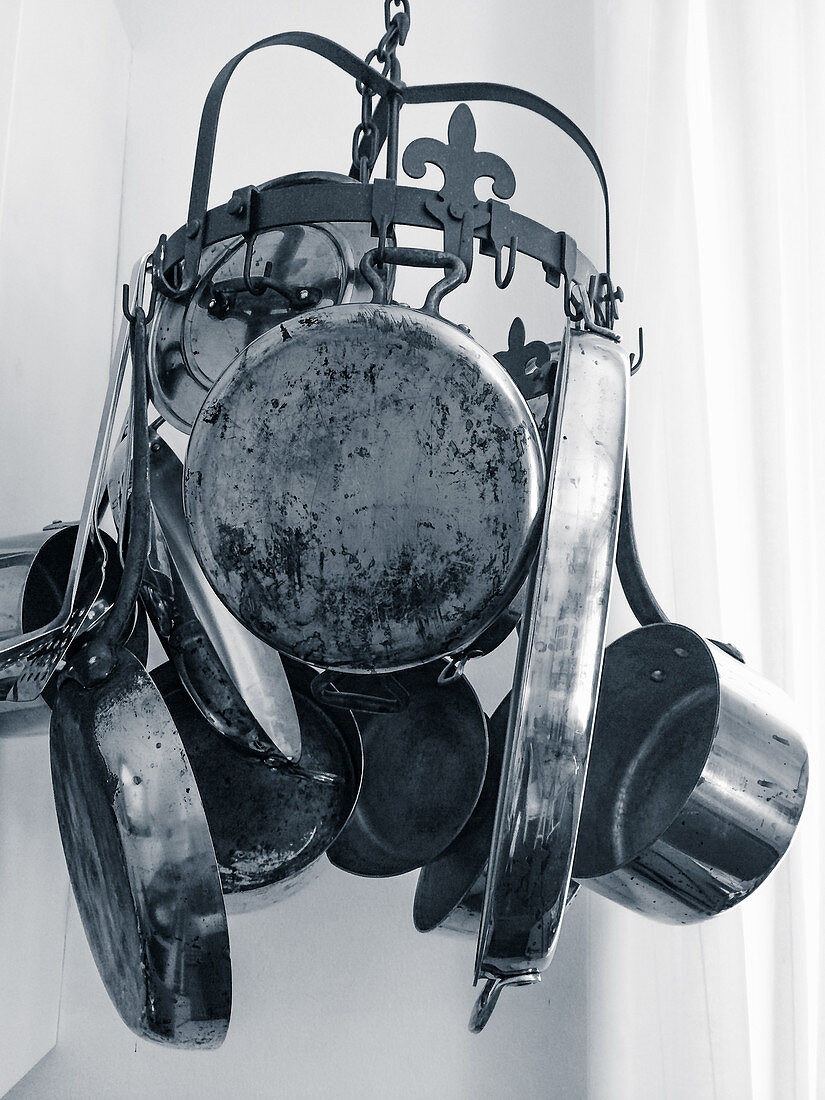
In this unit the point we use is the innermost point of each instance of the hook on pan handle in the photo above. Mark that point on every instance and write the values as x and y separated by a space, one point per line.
488 997
503 281
325 689
636 361
415 257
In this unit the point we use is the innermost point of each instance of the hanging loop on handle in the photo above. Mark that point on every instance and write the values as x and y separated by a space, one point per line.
488 998
415 257
207 134
325 688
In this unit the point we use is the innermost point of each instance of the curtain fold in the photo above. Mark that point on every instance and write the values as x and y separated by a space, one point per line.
711 126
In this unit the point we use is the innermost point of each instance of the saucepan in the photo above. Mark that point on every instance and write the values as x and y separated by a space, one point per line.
34 575
385 542
698 773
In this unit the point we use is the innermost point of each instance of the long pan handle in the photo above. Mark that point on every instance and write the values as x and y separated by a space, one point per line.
558 667
255 668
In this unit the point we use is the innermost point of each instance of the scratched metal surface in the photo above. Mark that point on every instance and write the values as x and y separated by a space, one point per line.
558 665
363 487
140 858
267 824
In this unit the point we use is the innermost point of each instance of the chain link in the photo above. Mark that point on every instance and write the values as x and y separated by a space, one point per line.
365 139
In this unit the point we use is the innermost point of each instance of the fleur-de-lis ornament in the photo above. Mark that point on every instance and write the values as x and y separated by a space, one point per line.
531 366
456 206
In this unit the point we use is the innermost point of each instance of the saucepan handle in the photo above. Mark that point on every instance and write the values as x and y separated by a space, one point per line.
327 690
456 272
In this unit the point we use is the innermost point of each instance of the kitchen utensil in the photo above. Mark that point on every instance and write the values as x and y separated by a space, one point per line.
33 658
134 833
408 490
269 825
697 779
423 771
254 667
183 636
557 671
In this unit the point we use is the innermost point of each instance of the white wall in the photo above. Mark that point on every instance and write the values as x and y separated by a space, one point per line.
63 91
335 994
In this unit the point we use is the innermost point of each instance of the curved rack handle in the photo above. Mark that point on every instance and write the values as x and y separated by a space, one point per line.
637 591
475 91
207 134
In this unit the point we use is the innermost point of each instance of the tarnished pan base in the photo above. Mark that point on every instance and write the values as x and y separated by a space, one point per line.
363 487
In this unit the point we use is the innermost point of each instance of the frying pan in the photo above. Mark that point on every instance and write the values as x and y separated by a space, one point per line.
424 768
451 887
269 825
557 671
383 543
134 833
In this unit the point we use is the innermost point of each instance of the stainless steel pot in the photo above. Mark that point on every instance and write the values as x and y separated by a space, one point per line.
363 486
34 575
697 778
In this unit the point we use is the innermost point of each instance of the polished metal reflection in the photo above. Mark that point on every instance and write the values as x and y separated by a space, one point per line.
558 666
697 781
140 858
255 668
270 825
34 574
236 301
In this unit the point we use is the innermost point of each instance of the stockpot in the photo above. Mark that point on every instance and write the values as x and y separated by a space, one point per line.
696 781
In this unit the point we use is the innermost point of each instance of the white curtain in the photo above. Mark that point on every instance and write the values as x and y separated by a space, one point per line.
711 125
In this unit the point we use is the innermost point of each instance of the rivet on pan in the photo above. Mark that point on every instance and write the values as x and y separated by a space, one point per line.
657 675
680 652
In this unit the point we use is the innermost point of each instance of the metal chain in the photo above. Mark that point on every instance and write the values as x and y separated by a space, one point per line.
365 138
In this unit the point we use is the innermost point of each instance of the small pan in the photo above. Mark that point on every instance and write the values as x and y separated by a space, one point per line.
270 824
134 833
451 888
424 768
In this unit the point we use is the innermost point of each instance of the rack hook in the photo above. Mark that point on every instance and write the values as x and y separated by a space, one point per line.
635 362
502 282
